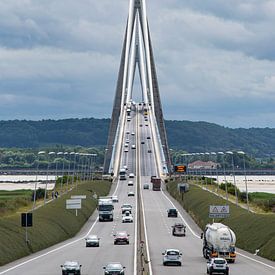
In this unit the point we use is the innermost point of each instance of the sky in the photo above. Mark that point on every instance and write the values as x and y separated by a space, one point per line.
215 59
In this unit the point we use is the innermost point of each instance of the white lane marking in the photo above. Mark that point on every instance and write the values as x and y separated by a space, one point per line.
144 218
256 261
58 248
50 252
191 230
145 233
242 255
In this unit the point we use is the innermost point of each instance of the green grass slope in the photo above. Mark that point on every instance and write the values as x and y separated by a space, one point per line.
51 224
253 231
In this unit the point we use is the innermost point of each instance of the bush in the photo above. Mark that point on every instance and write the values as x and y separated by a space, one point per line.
40 193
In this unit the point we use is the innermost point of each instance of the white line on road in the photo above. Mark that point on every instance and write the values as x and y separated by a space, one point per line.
240 254
58 248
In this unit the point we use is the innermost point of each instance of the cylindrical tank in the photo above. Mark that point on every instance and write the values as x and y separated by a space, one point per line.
220 236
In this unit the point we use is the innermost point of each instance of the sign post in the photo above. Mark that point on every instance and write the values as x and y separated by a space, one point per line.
73 204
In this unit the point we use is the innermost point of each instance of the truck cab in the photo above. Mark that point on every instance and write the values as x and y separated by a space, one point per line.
105 209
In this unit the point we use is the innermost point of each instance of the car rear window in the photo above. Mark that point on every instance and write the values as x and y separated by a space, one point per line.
219 261
172 253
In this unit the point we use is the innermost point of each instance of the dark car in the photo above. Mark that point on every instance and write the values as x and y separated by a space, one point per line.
121 237
114 269
71 268
172 212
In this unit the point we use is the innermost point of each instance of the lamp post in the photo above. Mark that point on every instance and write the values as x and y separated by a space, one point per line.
36 179
73 177
245 179
69 169
92 165
215 155
201 174
47 179
207 158
225 182
59 154
233 170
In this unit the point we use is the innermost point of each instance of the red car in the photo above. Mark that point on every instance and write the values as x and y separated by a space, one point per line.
121 237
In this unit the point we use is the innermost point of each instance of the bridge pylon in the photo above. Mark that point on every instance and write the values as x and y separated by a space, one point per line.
137 52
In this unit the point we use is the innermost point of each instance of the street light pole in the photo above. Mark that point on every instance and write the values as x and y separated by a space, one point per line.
245 179
233 170
47 179
36 179
224 174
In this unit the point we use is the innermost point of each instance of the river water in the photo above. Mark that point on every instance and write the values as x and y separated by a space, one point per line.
19 182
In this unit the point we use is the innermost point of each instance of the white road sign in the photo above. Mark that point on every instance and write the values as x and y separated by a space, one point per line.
73 204
83 197
219 211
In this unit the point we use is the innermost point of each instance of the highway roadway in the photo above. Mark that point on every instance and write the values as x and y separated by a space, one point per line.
158 226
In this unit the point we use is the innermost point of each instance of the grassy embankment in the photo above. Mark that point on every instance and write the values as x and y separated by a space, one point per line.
253 231
51 223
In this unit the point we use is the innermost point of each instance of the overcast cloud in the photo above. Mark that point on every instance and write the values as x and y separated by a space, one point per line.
215 59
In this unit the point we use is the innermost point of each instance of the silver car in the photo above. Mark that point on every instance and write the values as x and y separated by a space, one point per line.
217 266
92 240
71 268
114 269
171 257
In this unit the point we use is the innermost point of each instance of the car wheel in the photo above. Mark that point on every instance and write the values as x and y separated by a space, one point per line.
207 271
179 263
164 263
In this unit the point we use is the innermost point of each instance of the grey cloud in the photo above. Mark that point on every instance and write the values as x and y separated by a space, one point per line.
215 59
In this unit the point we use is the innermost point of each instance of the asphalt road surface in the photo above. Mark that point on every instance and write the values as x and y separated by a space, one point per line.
158 227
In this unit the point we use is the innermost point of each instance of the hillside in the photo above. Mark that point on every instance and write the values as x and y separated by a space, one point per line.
185 135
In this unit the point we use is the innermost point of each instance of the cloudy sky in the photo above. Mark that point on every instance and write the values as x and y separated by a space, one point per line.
215 59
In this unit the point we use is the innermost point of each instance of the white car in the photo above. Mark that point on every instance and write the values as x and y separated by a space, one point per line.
130 183
126 150
131 175
92 240
133 146
127 141
125 167
132 133
172 256
126 145
127 217
131 194
217 266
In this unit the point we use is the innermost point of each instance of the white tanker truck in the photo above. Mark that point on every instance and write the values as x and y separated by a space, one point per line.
219 241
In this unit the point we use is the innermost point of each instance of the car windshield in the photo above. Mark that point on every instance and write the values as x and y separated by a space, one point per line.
92 238
172 253
179 225
105 207
126 206
114 267
121 234
71 264
220 261
172 210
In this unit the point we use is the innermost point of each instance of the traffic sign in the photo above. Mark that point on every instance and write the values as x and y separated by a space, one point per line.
26 219
219 211
180 168
73 204
82 197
